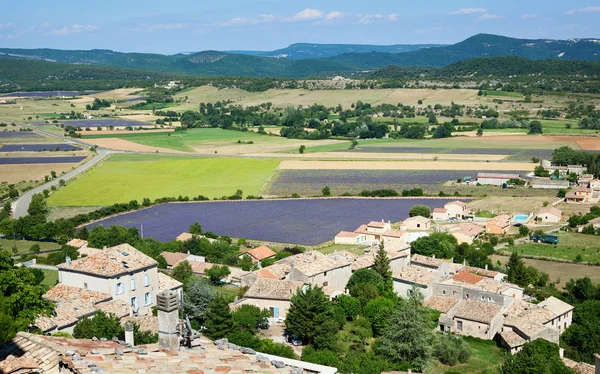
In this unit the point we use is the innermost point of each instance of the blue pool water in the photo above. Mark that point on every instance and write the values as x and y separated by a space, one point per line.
520 217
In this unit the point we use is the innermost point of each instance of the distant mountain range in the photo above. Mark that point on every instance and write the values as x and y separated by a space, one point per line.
299 51
305 60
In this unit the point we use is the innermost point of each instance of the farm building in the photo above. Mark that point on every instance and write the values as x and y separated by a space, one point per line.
466 232
549 184
498 225
353 238
271 294
577 169
260 253
416 223
549 214
495 179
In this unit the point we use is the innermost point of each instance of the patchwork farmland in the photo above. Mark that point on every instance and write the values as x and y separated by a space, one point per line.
83 123
18 134
38 147
299 221
40 160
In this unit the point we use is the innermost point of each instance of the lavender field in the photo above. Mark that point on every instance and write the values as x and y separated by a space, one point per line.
310 182
38 147
515 153
298 221
83 123
40 160
48 93
18 134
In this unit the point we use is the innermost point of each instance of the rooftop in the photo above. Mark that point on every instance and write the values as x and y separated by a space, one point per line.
527 317
393 233
424 260
550 210
468 229
120 259
62 293
262 252
273 289
457 202
322 265
415 275
77 243
165 282
467 277
347 234
174 257
419 219
556 306
512 339
478 311
440 210
480 271
498 175
441 303
377 224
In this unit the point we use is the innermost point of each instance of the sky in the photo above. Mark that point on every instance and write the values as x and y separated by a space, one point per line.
170 27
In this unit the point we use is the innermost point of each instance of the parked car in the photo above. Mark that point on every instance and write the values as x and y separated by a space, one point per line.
294 340
452 219
548 239
264 324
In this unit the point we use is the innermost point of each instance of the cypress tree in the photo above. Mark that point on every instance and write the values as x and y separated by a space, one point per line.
218 319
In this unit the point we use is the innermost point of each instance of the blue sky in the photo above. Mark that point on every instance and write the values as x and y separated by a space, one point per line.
181 26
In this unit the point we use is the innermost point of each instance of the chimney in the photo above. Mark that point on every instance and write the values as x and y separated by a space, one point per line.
486 266
167 303
597 357
129 334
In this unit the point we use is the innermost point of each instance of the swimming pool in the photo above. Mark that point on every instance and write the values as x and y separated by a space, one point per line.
520 218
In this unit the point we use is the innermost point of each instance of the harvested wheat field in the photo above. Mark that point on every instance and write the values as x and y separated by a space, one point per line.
410 96
399 165
260 148
126 145
584 142
18 173
118 94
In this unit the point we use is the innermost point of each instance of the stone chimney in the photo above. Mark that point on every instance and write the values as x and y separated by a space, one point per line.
167 303
597 358
129 334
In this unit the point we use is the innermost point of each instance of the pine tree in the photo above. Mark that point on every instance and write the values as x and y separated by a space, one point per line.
382 267
218 319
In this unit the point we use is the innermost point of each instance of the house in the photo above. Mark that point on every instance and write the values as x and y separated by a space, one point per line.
549 214
583 195
416 223
476 318
457 209
187 236
77 243
549 183
498 225
466 232
373 230
271 294
495 179
173 258
595 223
440 214
594 185
577 169
329 272
405 279
260 253
399 257
525 322
352 238
234 277
121 271
82 247
394 238
281 269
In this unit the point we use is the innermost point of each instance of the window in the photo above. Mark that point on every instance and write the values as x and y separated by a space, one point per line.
146 280
119 288
459 325
325 284
85 285
132 284
147 298
135 303
443 292
325 274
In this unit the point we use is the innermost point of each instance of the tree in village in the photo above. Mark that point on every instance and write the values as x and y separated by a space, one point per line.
419 210
217 272
21 300
381 266
538 356
365 285
248 317
182 272
409 338
198 294
218 319
103 325
196 228
310 318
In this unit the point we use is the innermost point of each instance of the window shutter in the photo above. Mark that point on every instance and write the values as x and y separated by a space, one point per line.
132 284
117 289
151 301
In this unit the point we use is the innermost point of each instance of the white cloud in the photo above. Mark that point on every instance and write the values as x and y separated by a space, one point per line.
335 15
306 15
75 29
529 16
45 24
242 21
161 27
5 25
468 11
365 19
589 9
488 16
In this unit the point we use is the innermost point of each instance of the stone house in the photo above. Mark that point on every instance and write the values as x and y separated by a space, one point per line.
549 214
416 223
271 294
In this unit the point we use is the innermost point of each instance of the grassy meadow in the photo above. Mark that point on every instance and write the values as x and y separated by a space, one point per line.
570 245
132 177
24 245
486 358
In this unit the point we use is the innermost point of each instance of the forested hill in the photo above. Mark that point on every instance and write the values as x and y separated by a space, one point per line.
234 64
482 45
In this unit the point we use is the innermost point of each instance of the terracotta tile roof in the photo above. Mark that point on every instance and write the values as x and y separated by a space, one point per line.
478 311
66 314
467 277
550 210
262 252
174 257
502 220
457 202
393 233
265 273
595 221
264 288
440 210
77 243
322 265
377 224
201 267
61 293
415 275
165 282
347 234
441 303
111 262
146 323
580 367
120 308
512 339
556 306
424 260
498 176
48 352
362 229
527 317
282 267
184 236
13 364
418 219
480 271
469 229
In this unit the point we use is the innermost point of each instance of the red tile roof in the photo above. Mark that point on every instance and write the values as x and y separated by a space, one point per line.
467 277
262 252
174 257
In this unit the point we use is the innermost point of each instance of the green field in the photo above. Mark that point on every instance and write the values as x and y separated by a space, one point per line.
123 178
50 278
186 140
570 245
486 358
24 245
503 94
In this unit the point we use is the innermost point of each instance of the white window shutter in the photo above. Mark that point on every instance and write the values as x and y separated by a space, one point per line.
151 301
